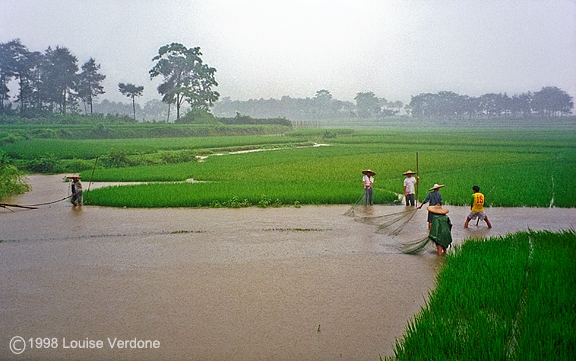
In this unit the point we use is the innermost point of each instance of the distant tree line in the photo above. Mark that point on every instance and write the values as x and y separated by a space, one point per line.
548 102
52 81
48 82
321 106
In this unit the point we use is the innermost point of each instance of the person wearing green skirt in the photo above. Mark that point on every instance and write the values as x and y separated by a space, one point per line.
440 229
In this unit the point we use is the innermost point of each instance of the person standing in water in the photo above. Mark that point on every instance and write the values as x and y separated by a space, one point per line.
435 199
368 181
409 183
477 208
76 191
440 229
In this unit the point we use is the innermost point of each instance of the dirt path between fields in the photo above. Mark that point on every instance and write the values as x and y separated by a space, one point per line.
288 283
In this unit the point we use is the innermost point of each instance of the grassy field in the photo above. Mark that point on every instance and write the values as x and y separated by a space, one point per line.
509 298
513 168
533 167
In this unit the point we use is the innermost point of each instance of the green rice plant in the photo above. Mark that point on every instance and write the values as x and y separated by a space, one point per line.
92 148
503 176
513 167
504 298
548 320
204 194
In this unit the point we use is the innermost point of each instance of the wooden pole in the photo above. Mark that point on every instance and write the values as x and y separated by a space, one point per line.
417 175
92 175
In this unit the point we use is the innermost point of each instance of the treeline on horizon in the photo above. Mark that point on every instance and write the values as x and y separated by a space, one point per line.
51 82
548 102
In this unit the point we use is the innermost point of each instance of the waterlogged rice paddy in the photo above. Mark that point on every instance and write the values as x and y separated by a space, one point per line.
280 283
305 282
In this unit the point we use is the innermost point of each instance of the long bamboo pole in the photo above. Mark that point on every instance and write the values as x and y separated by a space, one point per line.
92 175
417 177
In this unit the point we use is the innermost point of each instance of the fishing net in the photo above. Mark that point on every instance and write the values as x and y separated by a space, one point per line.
355 207
414 247
399 219
440 233
392 224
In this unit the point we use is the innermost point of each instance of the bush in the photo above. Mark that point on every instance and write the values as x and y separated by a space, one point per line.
117 158
11 179
46 164
245 119
8 138
197 117
76 165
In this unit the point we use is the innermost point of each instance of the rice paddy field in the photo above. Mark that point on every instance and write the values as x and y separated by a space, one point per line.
507 298
513 168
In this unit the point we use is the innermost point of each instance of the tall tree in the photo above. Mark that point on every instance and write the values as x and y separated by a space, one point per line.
551 101
8 54
59 78
131 91
367 104
89 83
322 103
27 73
186 77
16 62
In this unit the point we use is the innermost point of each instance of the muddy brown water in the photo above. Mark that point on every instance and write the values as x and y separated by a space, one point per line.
287 283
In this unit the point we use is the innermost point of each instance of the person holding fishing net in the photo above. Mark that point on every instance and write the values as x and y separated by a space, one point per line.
439 232
409 183
435 199
76 189
368 181
441 228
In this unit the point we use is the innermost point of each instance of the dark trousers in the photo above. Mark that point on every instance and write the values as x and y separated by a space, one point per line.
368 196
410 199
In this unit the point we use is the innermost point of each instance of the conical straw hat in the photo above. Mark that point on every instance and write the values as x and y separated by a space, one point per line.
368 172
408 172
437 186
438 209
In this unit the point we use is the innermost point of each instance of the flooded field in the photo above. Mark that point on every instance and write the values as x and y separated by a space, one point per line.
287 283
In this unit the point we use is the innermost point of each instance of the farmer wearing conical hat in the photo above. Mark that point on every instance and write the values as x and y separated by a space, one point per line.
440 228
368 180
409 183
76 188
435 199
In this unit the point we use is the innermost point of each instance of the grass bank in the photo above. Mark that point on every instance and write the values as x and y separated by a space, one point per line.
507 298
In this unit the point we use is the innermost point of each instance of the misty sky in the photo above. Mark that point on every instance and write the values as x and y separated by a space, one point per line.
271 48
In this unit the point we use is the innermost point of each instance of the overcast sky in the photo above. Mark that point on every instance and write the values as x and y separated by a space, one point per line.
271 48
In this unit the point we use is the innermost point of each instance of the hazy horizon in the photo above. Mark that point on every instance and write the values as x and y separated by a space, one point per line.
269 49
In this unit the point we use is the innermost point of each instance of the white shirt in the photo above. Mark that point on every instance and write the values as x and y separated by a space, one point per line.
368 180
409 184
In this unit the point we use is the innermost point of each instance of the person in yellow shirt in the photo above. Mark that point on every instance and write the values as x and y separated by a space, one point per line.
477 208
